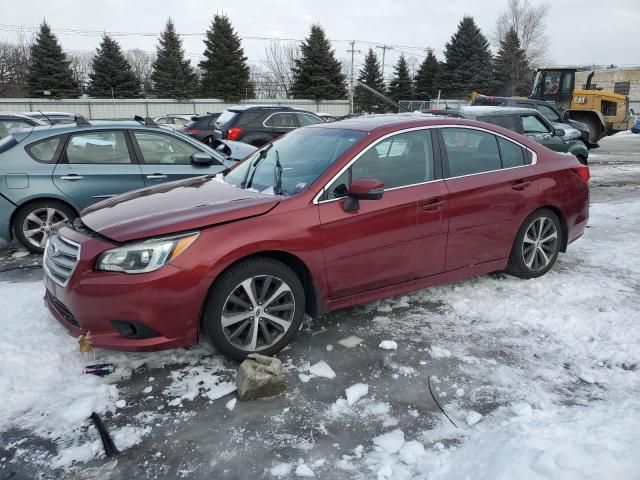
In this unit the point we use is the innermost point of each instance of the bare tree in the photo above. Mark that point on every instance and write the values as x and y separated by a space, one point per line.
82 67
142 66
528 20
280 57
14 65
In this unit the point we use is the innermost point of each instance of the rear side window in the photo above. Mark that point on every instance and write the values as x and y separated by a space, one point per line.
470 151
225 117
506 121
532 124
511 154
250 117
44 151
105 147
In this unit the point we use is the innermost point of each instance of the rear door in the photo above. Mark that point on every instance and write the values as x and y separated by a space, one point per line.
164 157
396 239
95 165
491 187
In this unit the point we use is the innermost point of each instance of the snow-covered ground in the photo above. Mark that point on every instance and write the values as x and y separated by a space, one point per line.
541 379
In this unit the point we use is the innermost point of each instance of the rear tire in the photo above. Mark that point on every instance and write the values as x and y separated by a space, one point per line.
35 221
256 306
537 245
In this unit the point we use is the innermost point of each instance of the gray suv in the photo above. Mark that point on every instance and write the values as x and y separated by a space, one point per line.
50 173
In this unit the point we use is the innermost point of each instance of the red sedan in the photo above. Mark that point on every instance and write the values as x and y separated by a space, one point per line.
326 217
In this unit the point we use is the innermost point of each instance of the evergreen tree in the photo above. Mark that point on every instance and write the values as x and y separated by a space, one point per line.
225 73
172 74
511 68
425 80
370 75
317 74
49 69
401 86
112 74
468 65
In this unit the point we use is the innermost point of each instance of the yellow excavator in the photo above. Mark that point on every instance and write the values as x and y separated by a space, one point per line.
604 113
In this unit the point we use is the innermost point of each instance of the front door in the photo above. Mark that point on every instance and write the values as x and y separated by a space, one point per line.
398 238
491 187
540 131
96 165
164 158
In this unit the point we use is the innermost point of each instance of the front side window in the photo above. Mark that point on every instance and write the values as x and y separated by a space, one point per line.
104 147
159 149
306 119
470 151
532 124
549 113
281 120
551 83
398 161
45 150
293 162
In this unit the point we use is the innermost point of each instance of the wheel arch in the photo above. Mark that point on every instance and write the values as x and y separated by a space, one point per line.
311 291
563 224
33 200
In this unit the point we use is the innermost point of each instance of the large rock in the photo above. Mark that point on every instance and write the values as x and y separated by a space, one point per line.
260 377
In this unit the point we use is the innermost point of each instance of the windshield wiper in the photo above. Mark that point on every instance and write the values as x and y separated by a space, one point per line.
277 173
263 154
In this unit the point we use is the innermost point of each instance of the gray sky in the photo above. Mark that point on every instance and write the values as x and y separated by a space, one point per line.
577 30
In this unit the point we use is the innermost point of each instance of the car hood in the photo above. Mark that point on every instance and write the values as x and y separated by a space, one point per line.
174 207
570 133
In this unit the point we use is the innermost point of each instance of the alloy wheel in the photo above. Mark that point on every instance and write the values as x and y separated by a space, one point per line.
258 312
540 243
40 223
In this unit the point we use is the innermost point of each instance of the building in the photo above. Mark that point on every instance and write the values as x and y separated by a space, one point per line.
625 81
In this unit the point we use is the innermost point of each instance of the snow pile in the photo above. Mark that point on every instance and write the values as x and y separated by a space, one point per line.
356 392
388 345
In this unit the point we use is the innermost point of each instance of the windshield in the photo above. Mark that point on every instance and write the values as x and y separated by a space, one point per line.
294 161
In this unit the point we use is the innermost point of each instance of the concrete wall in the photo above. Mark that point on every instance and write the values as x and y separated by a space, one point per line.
606 79
127 109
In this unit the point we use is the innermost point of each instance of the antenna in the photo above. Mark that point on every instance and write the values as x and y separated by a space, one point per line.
48 119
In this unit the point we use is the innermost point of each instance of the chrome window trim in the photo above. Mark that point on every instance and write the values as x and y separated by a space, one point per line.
264 123
316 199
44 260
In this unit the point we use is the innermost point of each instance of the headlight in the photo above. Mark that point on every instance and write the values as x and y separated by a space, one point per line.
146 256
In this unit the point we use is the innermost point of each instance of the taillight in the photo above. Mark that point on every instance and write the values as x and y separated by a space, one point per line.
583 172
233 133
191 131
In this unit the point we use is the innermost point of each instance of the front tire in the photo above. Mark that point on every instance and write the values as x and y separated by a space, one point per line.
256 306
34 222
537 245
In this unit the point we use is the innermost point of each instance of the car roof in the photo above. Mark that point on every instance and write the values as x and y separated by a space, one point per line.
47 130
244 108
494 110
21 115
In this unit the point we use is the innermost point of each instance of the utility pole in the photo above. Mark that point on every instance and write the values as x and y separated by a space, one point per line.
384 51
352 51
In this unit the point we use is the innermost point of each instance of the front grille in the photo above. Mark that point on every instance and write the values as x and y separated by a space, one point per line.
63 310
61 256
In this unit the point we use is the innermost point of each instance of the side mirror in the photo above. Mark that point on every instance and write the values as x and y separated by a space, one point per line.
362 189
202 159
558 132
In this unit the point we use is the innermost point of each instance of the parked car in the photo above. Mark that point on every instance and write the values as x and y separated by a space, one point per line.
636 127
327 117
16 121
50 173
175 122
547 109
201 127
257 125
528 122
326 217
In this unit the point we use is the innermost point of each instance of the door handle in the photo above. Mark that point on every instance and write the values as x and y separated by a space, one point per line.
156 176
431 205
520 186
71 178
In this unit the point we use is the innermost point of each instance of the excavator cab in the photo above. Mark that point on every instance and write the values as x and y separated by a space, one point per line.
554 85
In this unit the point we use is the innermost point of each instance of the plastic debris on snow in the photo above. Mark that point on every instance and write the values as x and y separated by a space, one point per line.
356 392
322 369
388 345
